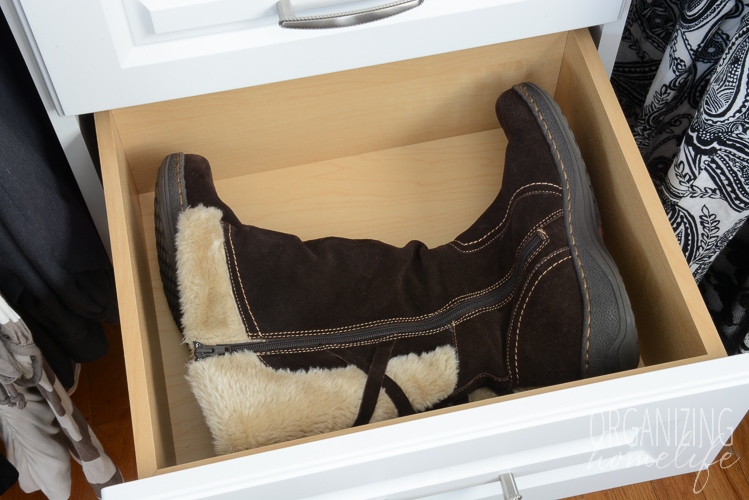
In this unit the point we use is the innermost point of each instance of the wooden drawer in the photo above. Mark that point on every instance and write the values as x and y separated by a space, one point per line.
409 150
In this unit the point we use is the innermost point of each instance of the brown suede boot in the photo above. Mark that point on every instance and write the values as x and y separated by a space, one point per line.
293 338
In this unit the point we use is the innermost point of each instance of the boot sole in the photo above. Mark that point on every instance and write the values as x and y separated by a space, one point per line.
168 204
610 342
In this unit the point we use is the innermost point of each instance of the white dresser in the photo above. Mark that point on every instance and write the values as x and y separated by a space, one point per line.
313 119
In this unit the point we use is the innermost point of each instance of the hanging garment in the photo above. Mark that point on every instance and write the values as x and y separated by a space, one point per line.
681 76
40 424
725 288
34 444
682 79
54 270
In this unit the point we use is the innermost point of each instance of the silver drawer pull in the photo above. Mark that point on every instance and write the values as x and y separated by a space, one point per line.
509 488
479 492
287 19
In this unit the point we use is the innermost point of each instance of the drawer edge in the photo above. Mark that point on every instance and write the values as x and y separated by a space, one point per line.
143 362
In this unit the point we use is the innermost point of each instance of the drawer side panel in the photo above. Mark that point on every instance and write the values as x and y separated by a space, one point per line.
145 375
671 325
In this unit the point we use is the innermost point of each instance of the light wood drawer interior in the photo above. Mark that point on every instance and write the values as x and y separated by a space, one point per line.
403 151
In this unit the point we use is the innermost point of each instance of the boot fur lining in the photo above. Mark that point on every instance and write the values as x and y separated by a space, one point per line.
247 404
209 313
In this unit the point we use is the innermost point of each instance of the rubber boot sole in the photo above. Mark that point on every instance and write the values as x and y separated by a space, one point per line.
169 202
609 341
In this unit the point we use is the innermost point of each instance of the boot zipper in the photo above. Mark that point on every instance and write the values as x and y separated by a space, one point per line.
442 319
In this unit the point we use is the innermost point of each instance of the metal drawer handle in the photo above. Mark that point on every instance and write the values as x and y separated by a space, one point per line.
509 488
480 492
287 19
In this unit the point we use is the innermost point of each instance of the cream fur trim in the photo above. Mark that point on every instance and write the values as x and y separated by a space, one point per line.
248 404
209 313
427 378
481 394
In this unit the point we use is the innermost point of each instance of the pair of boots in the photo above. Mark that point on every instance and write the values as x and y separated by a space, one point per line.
294 338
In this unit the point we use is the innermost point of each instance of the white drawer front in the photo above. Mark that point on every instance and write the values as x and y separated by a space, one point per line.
557 444
110 54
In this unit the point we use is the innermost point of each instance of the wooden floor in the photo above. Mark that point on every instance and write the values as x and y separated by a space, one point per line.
103 399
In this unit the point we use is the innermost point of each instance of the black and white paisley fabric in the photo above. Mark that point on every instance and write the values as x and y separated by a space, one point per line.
706 190
669 50
682 78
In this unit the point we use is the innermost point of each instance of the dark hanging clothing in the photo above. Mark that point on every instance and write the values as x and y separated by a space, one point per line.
54 270
8 475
